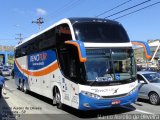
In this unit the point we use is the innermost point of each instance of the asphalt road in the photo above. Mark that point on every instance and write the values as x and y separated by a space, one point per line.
16 105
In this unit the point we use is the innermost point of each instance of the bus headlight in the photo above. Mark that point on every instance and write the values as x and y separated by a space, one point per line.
133 90
89 94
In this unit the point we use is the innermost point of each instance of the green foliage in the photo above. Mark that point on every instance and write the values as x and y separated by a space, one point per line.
10 60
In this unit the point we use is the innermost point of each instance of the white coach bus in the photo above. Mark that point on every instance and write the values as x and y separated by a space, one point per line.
85 63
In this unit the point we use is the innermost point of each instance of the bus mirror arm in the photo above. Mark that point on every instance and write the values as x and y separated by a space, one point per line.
145 46
81 49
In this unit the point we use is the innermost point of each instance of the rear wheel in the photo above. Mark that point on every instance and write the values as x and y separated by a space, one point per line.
154 98
25 88
21 85
18 87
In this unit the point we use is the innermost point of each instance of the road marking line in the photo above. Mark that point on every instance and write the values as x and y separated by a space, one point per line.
7 88
137 110
144 112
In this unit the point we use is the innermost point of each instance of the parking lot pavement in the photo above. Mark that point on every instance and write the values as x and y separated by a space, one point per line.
19 101
144 105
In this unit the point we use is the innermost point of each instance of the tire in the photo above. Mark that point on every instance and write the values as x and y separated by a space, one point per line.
18 87
54 96
54 101
25 88
21 85
58 100
154 98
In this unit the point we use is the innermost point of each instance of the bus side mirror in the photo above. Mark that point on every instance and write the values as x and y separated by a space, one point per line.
145 46
81 49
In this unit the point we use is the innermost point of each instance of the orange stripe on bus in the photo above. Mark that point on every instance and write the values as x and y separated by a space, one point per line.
39 73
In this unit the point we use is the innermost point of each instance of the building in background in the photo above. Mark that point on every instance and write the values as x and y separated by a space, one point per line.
6 55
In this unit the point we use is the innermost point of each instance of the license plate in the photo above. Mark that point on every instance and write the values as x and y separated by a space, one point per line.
116 102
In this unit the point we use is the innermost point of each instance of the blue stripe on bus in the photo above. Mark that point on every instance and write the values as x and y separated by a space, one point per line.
82 48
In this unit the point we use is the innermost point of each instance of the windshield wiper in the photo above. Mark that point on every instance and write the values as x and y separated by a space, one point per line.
116 83
112 64
95 81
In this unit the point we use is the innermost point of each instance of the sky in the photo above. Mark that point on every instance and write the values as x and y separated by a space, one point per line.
16 16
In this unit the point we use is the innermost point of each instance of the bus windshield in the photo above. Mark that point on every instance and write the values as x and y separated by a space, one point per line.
100 32
110 64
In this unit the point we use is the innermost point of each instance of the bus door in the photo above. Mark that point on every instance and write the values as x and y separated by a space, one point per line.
72 71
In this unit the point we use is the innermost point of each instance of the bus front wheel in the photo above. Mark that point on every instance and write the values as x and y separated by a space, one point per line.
58 100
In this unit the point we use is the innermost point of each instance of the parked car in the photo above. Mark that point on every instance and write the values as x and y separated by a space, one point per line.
9 68
1 68
5 72
149 86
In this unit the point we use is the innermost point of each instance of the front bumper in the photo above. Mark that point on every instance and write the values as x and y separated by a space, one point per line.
89 103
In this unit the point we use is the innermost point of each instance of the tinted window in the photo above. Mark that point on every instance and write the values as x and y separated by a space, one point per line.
139 77
152 77
100 32
5 70
63 33
69 62
47 40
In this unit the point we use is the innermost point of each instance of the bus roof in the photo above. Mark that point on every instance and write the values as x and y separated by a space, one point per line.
68 21
85 19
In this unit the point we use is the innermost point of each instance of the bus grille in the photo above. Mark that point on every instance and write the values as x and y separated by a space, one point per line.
114 96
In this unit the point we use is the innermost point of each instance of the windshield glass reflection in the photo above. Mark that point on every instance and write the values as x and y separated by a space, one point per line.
152 77
110 64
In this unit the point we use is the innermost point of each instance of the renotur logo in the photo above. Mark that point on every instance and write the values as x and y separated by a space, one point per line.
38 57
115 91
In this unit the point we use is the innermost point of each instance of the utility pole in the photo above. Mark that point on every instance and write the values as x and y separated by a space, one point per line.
39 22
19 38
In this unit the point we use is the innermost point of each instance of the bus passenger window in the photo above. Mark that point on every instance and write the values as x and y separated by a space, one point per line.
69 62
63 33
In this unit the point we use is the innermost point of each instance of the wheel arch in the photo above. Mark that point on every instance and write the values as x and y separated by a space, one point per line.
152 92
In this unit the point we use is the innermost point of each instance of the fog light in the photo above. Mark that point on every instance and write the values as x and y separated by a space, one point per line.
86 105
